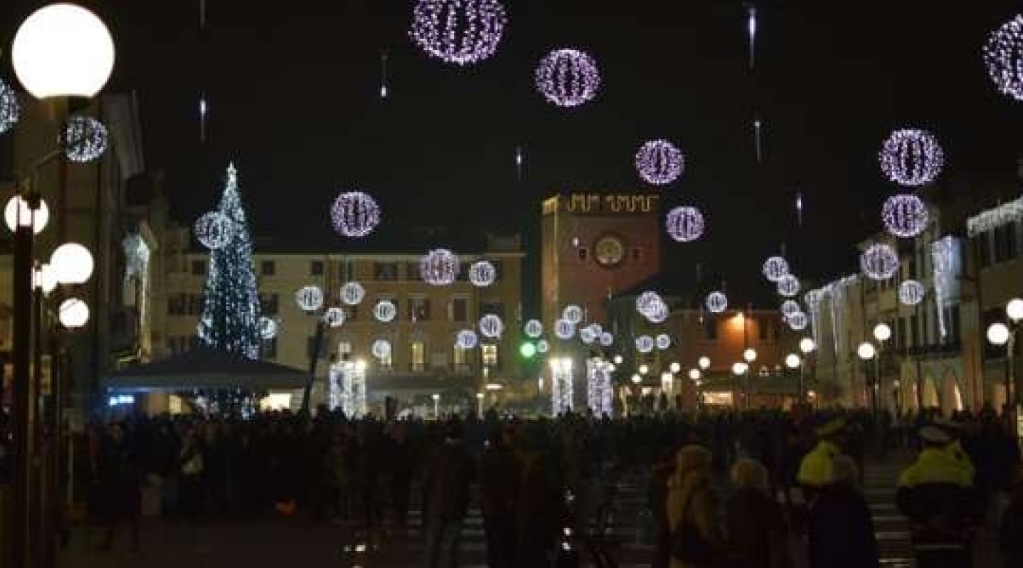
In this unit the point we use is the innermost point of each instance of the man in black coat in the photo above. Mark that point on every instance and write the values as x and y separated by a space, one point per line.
446 490
499 485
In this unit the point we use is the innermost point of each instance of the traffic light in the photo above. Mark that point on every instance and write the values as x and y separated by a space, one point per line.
527 349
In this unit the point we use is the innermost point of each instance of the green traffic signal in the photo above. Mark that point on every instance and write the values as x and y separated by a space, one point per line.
527 350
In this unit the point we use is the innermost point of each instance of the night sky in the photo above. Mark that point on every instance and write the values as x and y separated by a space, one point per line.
294 97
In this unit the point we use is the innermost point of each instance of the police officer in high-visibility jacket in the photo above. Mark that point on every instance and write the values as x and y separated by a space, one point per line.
936 493
815 469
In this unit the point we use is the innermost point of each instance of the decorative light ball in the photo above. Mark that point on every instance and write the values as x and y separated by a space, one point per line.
354 214
491 326
807 345
533 328
381 349
663 341
214 230
85 139
63 50
72 263
646 301
904 215
866 351
911 292
775 268
12 214
812 298
596 328
674 367
694 374
458 31
568 77
717 302
309 298
911 157
587 336
439 267
788 286
10 110
352 293
704 363
267 328
792 361
645 344
482 273
1003 57
73 313
659 162
684 224
798 321
658 313
542 346
564 329
466 339
334 317
879 262
606 339
789 307
998 333
573 314
385 311
1014 309
739 368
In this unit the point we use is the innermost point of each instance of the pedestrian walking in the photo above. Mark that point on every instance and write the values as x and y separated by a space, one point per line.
446 492
840 527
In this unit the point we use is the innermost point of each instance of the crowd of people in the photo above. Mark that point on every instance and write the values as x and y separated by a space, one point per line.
724 488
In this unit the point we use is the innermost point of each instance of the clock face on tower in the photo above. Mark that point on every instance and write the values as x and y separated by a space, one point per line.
609 251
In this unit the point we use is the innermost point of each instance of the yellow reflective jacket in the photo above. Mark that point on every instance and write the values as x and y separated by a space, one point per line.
815 469
936 465
962 458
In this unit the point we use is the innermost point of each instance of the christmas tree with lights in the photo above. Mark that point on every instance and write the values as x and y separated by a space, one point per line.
230 317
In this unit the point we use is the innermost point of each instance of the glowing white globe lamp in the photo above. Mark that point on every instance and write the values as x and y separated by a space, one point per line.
636 379
807 345
617 359
792 361
675 368
643 369
73 313
998 334
13 217
882 332
866 351
739 368
704 363
694 374
72 263
749 355
1014 309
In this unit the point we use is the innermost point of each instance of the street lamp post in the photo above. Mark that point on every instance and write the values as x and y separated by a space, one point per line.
1000 334
866 351
807 346
479 405
793 362
436 406
738 369
749 355
882 333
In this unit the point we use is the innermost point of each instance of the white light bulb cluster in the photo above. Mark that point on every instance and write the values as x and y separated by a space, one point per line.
911 292
491 326
606 339
684 224
716 302
911 157
797 321
85 139
352 293
662 341
659 162
214 230
904 215
381 349
645 344
587 336
599 392
10 110
267 328
572 313
385 311
789 307
458 31
775 268
439 267
788 285
879 261
533 328
354 214
1003 57
651 306
309 298
334 317
466 339
567 77
564 329
991 219
482 273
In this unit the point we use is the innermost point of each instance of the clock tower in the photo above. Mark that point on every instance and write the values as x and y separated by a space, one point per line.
594 245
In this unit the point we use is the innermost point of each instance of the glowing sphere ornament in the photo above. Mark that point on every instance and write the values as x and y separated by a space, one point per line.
533 328
648 301
775 268
458 31
309 298
911 157
904 215
85 139
788 286
334 317
797 321
354 214
645 344
466 339
482 273
1003 57
606 339
587 336
789 307
439 267
385 311
879 262
267 328
381 349
491 326
663 341
659 162
573 314
684 224
10 110
352 293
658 313
911 292
567 77
717 302
214 230
564 329
542 346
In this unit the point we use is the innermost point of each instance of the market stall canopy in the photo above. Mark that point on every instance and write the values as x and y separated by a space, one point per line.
205 369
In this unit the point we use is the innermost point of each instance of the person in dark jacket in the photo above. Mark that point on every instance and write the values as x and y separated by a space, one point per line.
657 496
120 486
1010 533
757 535
499 483
446 491
841 529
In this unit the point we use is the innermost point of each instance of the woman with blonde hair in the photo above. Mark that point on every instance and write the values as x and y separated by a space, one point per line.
757 535
696 539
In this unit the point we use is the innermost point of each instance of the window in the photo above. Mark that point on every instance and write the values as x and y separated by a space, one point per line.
584 253
490 359
198 267
270 348
900 333
912 268
460 309
954 321
498 269
710 329
176 304
412 271
1011 241
385 271
418 356
418 309
344 351
316 268
267 268
195 304
459 358
924 329
764 329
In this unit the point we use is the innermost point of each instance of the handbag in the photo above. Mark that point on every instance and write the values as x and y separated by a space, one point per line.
687 544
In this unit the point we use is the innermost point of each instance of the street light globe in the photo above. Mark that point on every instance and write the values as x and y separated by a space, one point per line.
694 374
45 278
360 365
704 363
73 313
72 263
739 368
807 345
866 351
63 50
617 360
643 369
675 368
636 379
1014 309
882 332
749 355
998 334
435 397
11 214
479 396
792 361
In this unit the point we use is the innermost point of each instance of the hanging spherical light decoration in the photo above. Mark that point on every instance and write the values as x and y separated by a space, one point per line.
572 313
606 339
789 307
381 349
354 214
568 77
309 298
85 139
657 313
587 336
564 329
1003 57
663 341
684 224
10 110
352 293
533 328
466 339
647 301
879 262
482 273
788 286
334 317
458 31
491 326
717 302
904 215
645 344
659 162
775 268
595 328
911 157
439 267
542 346
385 311
911 292
214 230
797 321
267 328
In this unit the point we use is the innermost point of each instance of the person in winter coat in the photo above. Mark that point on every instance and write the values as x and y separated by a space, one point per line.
120 482
446 491
499 484
757 534
815 468
696 538
657 497
841 530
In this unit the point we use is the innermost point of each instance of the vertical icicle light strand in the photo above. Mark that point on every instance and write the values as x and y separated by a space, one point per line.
383 74
757 132
943 263
751 27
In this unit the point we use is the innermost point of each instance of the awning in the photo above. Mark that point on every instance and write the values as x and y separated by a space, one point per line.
205 369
